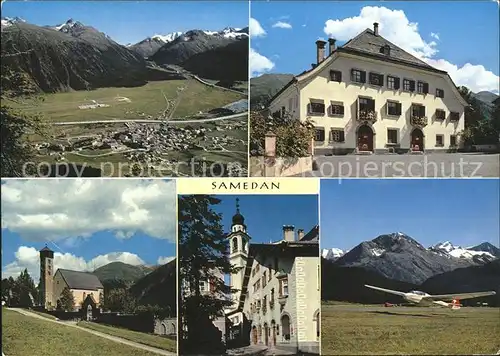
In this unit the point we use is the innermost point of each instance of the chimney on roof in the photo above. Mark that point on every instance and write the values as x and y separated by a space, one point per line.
320 50
331 48
300 234
289 233
375 28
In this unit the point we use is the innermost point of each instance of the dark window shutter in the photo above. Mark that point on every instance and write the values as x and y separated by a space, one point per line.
341 110
363 77
381 79
342 139
309 108
371 104
339 73
397 83
352 74
422 111
412 85
398 108
426 88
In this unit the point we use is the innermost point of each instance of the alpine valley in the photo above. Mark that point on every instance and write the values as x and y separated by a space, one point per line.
149 105
399 262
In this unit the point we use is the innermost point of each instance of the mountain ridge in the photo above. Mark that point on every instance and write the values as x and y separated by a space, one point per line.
397 256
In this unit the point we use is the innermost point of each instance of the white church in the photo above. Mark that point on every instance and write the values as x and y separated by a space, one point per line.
278 300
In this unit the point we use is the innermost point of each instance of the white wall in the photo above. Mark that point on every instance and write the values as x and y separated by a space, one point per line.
319 86
290 99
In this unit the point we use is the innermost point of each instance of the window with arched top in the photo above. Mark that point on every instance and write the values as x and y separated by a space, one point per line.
235 244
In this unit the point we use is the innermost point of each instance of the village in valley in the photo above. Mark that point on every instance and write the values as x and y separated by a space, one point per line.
170 111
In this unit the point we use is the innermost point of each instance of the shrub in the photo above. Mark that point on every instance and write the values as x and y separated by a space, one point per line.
293 137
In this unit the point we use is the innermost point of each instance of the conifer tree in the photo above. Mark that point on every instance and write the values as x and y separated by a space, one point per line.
203 251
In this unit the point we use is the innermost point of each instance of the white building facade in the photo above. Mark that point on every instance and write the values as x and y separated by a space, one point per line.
370 96
278 302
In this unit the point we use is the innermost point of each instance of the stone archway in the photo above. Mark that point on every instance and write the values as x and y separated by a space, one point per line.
266 334
164 329
173 329
365 138
317 324
285 327
254 335
417 140
89 312
274 331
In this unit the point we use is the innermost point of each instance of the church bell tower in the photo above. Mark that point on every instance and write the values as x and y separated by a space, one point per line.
238 253
46 277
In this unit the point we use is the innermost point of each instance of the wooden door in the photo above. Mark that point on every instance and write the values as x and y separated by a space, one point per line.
365 138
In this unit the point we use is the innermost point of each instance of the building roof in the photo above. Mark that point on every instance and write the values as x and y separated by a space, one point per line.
312 235
46 249
80 280
368 44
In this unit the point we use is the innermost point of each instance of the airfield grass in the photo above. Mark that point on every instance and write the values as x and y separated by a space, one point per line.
148 99
25 335
141 338
416 330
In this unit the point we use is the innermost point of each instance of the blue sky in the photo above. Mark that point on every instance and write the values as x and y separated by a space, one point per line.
265 215
87 222
132 21
467 32
464 212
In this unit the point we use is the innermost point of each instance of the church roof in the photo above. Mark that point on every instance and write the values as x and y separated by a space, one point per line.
80 280
238 219
46 249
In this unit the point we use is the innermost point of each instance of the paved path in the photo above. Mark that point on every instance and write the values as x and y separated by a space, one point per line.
432 165
105 336
146 121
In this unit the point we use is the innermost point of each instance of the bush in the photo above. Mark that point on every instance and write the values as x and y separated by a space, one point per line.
293 137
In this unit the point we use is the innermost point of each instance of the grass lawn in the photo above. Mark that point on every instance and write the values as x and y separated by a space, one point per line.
45 315
148 99
399 330
24 335
142 338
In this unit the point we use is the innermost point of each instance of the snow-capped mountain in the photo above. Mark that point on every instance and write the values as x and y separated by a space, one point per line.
9 21
331 253
149 46
67 26
230 32
166 38
484 252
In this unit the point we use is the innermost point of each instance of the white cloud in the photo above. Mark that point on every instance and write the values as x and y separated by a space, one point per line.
259 64
164 260
282 24
435 35
396 27
28 257
45 210
256 29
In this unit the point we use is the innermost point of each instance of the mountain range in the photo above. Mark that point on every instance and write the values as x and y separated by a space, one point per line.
74 56
397 261
264 87
150 285
211 39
